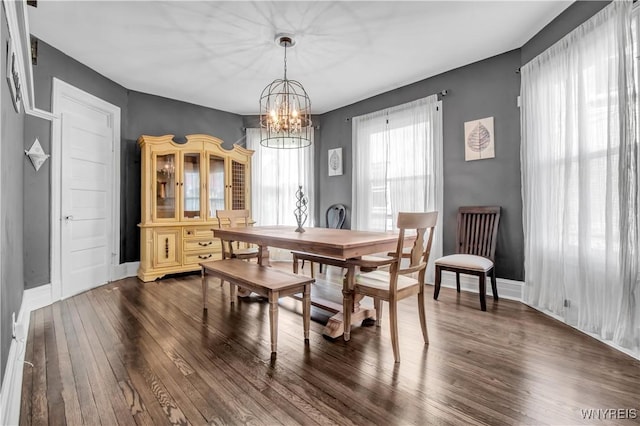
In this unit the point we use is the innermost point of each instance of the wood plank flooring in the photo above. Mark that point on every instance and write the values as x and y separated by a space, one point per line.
146 353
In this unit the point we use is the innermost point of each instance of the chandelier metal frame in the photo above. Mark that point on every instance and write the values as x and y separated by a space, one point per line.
285 109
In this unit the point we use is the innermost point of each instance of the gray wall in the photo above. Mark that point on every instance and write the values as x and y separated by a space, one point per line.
12 161
567 21
155 115
37 198
488 88
483 89
140 114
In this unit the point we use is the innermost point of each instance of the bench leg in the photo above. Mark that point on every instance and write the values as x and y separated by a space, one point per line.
234 291
205 289
273 320
306 310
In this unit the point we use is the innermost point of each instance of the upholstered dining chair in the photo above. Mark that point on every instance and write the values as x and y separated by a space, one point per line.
476 238
400 281
335 217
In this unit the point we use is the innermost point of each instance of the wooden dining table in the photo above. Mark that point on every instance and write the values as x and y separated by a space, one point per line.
336 243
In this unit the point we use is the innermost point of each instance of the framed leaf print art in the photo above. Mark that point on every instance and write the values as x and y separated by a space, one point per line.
479 139
13 78
335 162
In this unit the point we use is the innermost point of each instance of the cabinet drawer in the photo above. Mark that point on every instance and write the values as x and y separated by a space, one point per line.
198 232
195 258
200 245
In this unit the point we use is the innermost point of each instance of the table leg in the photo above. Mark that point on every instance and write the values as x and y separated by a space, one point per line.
352 313
263 256
347 300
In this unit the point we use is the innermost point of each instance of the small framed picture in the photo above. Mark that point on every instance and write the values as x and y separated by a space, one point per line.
335 162
13 77
479 139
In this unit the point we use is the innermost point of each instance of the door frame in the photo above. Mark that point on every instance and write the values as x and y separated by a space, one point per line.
63 91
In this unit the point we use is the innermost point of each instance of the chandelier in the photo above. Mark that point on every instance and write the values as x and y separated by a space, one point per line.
285 109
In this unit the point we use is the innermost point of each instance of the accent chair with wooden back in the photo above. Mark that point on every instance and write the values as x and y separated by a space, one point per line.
232 219
476 238
399 282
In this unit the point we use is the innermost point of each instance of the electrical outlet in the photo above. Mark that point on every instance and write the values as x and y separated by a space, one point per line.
13 325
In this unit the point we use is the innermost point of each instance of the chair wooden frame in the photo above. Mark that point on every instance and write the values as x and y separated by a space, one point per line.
476 235
423 223
233 218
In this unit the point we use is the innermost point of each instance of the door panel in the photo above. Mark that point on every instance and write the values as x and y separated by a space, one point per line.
86 209
166 247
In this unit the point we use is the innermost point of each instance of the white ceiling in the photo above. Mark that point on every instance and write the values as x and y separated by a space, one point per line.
222 54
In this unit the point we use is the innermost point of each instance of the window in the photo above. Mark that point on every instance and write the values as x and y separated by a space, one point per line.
579 177
397 157
276 175
397 166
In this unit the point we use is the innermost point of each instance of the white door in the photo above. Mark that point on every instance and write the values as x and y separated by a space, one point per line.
86 185
85 196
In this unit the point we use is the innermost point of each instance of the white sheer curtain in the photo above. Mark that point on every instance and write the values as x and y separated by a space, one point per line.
579 159
275 176
397 166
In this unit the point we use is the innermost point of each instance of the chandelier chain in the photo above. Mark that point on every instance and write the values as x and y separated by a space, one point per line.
285 60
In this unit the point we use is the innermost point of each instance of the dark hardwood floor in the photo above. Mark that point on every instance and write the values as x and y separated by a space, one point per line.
144 353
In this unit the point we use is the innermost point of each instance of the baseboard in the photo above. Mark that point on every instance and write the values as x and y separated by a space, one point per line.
32 299
12 384
125 270
507 289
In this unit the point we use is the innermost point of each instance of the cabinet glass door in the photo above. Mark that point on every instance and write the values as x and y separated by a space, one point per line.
191 185
216 185
165 186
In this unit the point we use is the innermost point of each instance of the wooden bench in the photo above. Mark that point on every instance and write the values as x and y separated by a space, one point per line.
265 281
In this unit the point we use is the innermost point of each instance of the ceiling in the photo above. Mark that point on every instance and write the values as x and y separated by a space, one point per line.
221 54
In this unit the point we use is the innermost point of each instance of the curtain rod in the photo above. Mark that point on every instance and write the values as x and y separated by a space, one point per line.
442 93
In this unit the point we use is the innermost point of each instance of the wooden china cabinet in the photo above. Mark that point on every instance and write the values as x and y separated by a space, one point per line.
183 184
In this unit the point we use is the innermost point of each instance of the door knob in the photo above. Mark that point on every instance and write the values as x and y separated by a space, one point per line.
68 218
